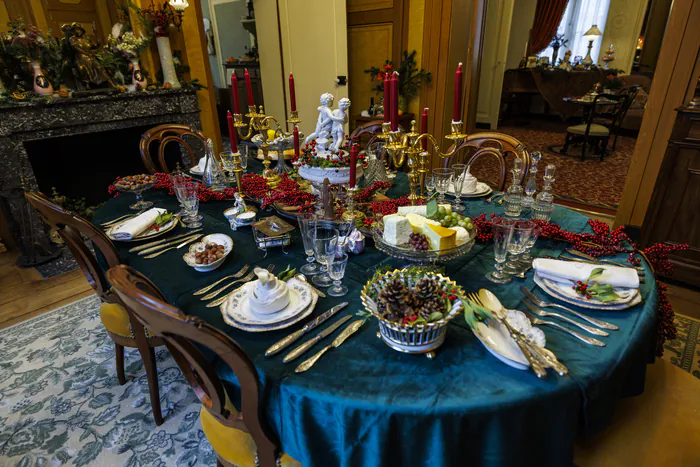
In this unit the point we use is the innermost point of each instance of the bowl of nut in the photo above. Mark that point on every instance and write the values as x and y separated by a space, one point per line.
209 253
136 184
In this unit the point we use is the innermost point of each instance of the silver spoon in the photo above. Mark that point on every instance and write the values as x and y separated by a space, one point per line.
302 278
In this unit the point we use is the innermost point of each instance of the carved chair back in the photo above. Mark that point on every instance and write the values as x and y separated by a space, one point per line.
372 129
73 229
185 336
164 135
491 143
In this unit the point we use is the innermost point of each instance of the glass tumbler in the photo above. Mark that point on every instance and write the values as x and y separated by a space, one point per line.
190 200
458 184
325 241
502 234
336 269
522 230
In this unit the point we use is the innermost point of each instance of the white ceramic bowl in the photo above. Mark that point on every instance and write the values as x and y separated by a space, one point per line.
219 239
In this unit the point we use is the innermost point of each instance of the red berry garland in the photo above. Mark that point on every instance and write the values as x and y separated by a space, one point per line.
367 194
388 206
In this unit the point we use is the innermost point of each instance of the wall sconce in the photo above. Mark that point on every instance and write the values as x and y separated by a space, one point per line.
179 7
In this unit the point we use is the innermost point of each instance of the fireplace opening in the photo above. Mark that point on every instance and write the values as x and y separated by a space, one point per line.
83 166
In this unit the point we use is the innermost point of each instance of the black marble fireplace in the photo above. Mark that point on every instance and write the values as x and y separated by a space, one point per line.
78 145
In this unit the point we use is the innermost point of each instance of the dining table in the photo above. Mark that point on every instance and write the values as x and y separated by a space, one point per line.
365 404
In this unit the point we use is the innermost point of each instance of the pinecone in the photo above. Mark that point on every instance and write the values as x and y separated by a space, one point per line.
427 307
393 299
426 288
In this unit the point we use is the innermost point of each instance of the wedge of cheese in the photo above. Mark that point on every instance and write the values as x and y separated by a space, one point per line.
462 235
417 222
440 238
397 229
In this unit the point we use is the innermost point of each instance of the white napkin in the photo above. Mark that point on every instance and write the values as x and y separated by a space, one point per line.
138 224
201 165
559 271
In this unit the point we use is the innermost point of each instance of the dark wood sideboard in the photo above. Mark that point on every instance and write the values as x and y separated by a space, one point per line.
674 212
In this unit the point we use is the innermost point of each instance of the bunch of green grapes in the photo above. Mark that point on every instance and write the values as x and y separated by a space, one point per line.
452 219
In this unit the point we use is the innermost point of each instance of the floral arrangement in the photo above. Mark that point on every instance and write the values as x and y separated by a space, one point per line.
128 45
558 41
410 76
26 41
605 242
308 157
156 20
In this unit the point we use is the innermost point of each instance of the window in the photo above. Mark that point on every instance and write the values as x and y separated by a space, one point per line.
578 17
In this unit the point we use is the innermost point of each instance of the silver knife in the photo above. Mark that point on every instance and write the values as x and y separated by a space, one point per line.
311 342
166 245
571 251
342 337
293 337
173 247
158 242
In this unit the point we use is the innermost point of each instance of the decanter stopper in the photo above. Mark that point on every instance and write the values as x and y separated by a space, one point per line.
531 185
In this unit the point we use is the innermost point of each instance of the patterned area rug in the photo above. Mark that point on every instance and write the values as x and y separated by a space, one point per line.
684 351
61 403
592 183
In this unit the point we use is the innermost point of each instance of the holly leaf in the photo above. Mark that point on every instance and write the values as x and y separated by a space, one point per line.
434 316
431 208
597 272
602 292
606 297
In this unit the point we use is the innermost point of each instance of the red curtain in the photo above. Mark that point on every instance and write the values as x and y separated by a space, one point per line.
548 15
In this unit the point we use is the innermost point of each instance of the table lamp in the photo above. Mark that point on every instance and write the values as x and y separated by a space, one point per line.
590 35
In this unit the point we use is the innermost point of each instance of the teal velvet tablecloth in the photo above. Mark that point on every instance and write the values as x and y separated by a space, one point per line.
364 404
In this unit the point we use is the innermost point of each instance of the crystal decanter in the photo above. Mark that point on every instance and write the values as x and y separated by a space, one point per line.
514 194
544 203
213 176
531 185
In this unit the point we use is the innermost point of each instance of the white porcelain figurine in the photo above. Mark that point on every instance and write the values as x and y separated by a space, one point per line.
340 118
324 124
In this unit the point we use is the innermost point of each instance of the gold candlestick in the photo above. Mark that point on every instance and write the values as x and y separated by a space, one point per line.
237 170
351 212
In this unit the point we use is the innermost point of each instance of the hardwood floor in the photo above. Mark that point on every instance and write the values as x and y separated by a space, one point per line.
24 294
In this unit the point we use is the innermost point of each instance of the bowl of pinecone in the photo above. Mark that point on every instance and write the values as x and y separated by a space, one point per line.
413 307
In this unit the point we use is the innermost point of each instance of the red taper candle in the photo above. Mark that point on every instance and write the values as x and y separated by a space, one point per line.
234 93
231 132
395 102
249 88
292 93
457 112
353 164
387 97
424 128
296 142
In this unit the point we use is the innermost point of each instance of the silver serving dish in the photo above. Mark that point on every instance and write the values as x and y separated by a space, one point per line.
410 254
418 339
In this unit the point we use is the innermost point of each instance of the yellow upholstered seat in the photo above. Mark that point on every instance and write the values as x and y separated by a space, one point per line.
116 320
596 130
234 446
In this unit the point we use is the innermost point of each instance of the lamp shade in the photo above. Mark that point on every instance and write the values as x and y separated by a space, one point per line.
591 33
179 5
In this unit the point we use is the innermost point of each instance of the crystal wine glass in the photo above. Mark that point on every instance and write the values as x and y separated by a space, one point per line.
190 200
522 230
227 164
429 185
502 234
458 184
179 184
336 269
307 222
442 182
526 258
177 179
325 240
244 151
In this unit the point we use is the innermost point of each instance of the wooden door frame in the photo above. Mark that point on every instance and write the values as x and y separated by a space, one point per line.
676 75
397 15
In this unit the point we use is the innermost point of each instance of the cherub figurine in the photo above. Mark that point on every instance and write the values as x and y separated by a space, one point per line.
323 124
340 118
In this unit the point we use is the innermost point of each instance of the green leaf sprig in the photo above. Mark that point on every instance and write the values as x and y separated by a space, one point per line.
287 273
473 313
594 290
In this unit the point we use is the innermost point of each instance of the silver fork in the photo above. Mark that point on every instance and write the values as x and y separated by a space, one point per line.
206 289
247 278
545 304
543 314
586 339
213 294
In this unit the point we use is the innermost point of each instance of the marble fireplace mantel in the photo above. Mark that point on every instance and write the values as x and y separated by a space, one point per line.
38 120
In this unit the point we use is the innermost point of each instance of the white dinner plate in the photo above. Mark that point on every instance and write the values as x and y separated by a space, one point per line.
482 189
196 171
556 292
170 225
246 321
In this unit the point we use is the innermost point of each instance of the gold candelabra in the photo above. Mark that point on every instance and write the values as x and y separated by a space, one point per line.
260 123
352 213
402 145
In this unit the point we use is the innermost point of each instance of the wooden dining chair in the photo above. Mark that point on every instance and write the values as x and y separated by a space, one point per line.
500 146
162 136
75 230
590 133
239 438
